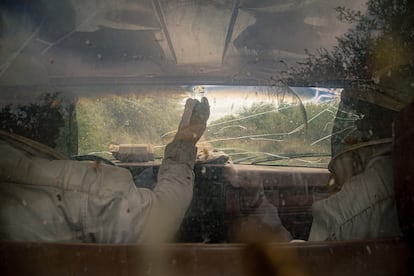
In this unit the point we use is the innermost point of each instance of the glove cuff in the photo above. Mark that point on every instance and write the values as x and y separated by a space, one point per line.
180 152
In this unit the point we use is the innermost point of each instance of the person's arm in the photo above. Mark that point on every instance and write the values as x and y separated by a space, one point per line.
71 200
118 212
174 188
261 211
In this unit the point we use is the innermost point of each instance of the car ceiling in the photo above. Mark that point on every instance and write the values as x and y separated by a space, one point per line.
163 41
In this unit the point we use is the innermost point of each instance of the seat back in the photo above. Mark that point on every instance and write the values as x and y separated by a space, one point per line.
403 152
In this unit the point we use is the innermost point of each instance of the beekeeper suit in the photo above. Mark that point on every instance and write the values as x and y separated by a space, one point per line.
363 203
46 198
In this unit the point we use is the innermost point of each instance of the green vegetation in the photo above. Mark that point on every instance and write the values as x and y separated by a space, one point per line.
48 119
121 119
378 51
262 133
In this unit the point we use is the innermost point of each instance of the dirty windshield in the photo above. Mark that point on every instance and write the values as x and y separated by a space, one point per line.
268 125
252 124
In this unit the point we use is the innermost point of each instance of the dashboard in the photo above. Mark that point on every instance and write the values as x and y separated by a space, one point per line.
223 203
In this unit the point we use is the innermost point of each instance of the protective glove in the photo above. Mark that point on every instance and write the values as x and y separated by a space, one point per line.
194 121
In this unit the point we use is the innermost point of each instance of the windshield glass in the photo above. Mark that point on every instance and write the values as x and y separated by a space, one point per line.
273 125
252 124
270 125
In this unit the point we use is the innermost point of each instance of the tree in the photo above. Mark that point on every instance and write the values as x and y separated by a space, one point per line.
40 121
378 51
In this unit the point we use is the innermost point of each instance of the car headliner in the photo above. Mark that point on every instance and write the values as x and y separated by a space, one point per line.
163 41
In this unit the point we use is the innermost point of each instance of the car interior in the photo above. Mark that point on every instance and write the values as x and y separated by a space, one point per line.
105 82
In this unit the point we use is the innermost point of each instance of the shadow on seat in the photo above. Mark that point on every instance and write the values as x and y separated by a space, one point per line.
403 153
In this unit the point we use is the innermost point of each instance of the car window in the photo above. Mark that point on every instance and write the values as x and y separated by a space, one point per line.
252 124
267 125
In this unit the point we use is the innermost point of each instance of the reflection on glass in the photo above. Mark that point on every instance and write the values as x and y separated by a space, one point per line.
252 124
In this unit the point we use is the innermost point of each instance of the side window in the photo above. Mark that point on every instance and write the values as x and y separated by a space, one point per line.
48 118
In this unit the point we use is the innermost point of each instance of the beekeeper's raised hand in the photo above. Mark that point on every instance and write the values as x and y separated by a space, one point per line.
194 121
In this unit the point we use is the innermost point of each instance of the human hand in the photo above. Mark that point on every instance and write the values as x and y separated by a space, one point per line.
194 120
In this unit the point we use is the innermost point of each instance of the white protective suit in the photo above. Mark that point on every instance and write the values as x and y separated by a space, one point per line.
46 198
365 207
